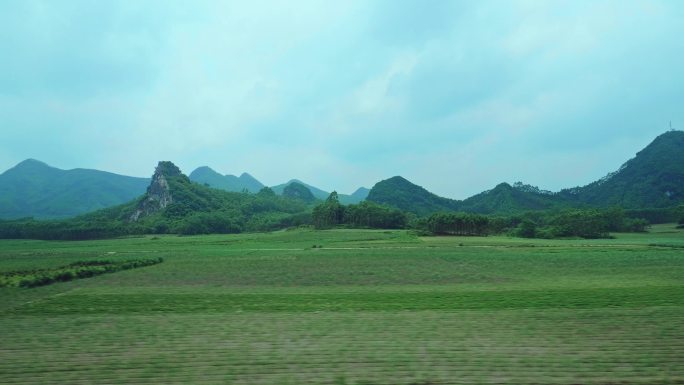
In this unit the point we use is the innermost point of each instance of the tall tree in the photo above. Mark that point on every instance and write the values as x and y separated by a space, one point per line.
329 213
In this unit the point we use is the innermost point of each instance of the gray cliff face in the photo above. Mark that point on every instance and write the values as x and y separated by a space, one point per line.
158 194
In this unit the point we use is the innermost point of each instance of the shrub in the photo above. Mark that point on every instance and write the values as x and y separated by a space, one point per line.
76 270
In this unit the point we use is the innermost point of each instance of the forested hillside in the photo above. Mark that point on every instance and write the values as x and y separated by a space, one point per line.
402 194
503 199
246 182
654 178
507 199
172 204
34 189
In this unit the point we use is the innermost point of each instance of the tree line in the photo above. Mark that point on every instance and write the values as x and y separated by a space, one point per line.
366 214
200 210
582 223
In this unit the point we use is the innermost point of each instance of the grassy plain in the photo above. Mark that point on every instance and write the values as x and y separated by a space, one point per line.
368 307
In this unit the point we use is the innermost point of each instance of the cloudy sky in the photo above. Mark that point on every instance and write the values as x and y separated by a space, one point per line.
456 96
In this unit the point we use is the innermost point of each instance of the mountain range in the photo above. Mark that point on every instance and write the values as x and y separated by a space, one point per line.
34 189
211 178
208 176
357 196
653 178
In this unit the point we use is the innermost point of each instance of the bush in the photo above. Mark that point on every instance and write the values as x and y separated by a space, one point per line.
636 225
76 270
527 229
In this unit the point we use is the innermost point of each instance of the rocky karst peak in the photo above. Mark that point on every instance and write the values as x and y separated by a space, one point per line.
158 194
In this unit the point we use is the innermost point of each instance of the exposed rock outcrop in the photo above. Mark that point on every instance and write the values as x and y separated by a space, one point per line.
158 194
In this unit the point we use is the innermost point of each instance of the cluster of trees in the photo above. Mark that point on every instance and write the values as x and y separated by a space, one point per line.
583 223
374 216
329 213
658 215
79 228
457 224
76 270
653 215
366 214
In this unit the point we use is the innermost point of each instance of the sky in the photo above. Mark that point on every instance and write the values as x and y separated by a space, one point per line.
456 96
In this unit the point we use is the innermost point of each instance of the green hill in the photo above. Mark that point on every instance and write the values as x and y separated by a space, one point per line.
34 189
174 204
507 199
318 193
653 178
503 199
402 194
299 191
359 195
173 199
226 182
206 175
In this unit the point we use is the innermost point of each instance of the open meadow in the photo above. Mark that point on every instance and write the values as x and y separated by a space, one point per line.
350 307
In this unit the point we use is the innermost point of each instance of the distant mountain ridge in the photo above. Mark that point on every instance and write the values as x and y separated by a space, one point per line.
318 193
359 195
653 178
504 198
34 189
206 175
507 199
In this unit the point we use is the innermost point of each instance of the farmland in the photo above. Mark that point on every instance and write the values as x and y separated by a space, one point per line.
350 307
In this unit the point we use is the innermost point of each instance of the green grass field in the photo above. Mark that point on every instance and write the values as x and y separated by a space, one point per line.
368 307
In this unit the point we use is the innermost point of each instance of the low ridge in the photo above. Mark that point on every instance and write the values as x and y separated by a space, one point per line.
34 189
206 175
